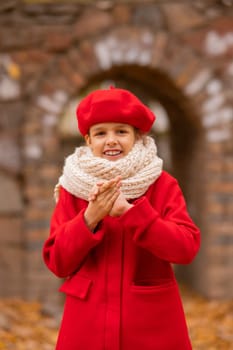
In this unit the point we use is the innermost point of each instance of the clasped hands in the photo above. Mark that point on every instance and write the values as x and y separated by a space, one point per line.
104 199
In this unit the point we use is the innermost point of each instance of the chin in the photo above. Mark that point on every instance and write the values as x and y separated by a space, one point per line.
113 159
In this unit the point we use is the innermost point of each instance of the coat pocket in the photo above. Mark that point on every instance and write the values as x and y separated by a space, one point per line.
155 314
77 286
150 286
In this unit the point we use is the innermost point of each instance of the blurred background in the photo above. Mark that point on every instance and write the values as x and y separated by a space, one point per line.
176 56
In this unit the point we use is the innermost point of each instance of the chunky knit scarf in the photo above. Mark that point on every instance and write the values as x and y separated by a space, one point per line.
138 169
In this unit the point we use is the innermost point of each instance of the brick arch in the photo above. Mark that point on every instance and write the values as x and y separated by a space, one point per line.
131 55
63 80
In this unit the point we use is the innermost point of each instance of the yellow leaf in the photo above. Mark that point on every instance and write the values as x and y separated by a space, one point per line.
14 71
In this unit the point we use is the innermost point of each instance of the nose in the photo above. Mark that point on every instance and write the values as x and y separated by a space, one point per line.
111 139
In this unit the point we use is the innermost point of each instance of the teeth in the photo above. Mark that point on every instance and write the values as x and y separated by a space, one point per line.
112 153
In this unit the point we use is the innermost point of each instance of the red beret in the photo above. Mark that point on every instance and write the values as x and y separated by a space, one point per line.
113 105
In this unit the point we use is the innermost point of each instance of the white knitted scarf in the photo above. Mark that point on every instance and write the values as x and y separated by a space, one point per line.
138 169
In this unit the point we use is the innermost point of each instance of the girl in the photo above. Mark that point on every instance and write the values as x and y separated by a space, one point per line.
119 224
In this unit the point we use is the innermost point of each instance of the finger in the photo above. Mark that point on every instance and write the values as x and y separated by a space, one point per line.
91 198
108 198
111 183
114 199
104 205
93 193
100 188
118 178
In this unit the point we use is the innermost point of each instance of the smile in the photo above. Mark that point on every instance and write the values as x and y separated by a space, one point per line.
112 153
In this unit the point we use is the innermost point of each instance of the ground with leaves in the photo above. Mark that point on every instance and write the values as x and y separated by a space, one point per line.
24 326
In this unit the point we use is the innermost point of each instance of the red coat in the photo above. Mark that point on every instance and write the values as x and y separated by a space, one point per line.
120 286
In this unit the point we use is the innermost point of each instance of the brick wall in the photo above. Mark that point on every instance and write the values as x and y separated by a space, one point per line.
178 53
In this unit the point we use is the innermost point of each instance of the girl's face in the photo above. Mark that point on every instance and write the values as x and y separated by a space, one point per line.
111 141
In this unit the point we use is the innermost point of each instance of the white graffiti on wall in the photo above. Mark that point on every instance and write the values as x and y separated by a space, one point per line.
218 114
115 49
53 104
52 107
220 117
218 135
9 78
199 81
216 44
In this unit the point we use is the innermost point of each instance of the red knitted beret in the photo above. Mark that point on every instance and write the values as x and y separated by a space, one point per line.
113 105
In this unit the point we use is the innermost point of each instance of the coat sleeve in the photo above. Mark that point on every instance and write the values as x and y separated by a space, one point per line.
169 233
70 240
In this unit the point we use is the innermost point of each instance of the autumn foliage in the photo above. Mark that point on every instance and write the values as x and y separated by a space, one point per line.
24 325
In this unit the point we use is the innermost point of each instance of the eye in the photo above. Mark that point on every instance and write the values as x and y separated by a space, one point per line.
122 131
99 133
